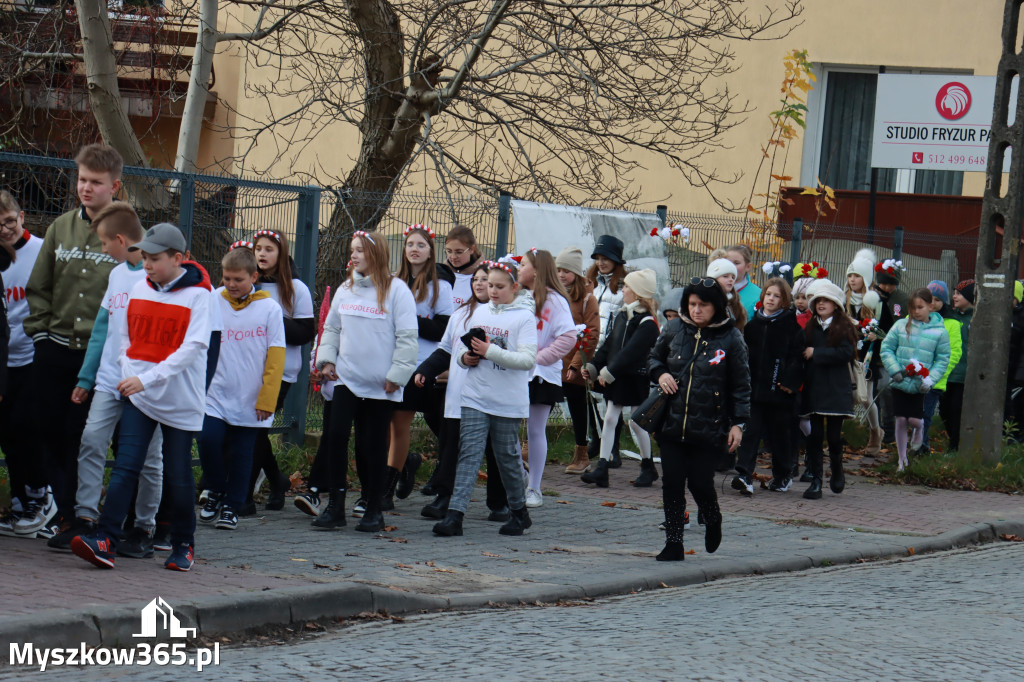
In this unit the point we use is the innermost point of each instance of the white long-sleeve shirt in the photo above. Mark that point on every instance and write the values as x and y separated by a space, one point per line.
368 345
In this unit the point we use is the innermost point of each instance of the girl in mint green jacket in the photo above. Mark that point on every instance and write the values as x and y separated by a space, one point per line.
916 353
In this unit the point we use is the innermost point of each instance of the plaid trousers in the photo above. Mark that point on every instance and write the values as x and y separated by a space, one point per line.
474 430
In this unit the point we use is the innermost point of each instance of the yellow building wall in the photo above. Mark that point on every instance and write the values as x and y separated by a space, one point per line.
937 35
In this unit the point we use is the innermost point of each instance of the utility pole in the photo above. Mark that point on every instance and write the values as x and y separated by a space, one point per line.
981 430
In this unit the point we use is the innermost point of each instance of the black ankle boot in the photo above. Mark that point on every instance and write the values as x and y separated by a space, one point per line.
333 515
517 523
813 491
500 515
673 552
373 519
438 508
648 474
387 500
713 528
275 500
599 475
408 477
452 524
838 480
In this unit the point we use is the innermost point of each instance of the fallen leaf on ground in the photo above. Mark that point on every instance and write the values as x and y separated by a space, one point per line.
389 529
910 551
402 566
492 555
429 563
563 502
663 585
295 479
608 504
628 506
397 619
1011 538
443 570
398 540
691 551
294 559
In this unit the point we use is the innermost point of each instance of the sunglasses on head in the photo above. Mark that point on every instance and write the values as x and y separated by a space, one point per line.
707 282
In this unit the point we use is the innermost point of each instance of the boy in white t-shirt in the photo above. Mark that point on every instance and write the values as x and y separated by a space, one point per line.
163 365
118 227
242 397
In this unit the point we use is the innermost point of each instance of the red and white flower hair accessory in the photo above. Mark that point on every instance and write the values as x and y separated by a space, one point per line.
890 266
276 236
362 233
241 243
421 228
672 234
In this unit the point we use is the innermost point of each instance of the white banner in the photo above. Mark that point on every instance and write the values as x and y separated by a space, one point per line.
934 122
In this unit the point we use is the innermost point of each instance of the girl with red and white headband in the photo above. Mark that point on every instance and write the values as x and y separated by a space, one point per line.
369 348
433 293
500 357
278 279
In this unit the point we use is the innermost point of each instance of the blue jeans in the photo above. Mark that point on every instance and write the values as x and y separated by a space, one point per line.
179 487
931 401
226 454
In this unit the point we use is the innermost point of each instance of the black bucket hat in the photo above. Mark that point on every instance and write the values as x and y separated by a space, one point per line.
610 247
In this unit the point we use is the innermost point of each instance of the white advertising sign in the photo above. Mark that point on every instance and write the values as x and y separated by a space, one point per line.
934 122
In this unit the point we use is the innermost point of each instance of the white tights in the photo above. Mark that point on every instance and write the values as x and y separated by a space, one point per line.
537 436
611 418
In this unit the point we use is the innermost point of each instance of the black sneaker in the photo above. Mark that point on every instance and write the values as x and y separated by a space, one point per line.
137 545
807 476
162 537
211 510
360 508
309 502
63 538
744 484
780 485
227 519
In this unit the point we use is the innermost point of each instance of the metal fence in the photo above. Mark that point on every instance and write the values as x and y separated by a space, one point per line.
213 211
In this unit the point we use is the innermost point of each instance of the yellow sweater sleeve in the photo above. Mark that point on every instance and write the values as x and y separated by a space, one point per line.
273 370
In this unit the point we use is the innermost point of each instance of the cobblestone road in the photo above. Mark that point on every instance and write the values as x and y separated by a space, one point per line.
946 616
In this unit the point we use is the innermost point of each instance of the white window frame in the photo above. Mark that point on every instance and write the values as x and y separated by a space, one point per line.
815 119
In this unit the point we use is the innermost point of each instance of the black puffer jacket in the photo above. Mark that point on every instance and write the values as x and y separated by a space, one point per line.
624 354
776 346
714 390
827 387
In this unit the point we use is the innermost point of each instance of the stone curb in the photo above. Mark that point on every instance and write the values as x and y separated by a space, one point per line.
114 626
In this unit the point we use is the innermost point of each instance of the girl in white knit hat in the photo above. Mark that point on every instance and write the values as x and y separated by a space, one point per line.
723 271
827 394
620 367
859 276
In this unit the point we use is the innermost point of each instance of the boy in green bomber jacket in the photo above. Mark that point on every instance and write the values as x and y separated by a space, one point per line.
64 294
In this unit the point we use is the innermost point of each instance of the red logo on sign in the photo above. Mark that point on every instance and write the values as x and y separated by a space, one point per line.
917 157
953 101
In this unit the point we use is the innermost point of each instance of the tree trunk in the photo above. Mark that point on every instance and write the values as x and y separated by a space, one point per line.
198 88
105 97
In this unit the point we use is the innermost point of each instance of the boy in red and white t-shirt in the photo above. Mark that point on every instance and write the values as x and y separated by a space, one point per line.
163 365
243 394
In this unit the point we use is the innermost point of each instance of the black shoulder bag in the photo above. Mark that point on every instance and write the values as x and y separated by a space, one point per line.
650 414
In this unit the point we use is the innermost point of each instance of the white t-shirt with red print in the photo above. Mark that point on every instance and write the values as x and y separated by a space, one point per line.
555 319
247 335
490 388
20 349
302 309
115 303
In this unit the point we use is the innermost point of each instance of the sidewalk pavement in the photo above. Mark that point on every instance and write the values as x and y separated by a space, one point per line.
276 570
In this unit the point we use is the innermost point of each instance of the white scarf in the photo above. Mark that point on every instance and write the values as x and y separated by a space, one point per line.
634 307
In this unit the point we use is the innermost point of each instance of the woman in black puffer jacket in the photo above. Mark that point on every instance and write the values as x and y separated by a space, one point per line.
701 360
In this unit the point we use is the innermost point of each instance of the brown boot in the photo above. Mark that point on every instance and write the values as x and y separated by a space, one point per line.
874 446
580 461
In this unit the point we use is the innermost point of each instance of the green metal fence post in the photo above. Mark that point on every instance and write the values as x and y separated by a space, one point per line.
662 211
795 246
187 206
897 243
504 217
307 239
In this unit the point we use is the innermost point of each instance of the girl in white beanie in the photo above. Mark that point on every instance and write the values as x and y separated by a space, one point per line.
723 271
620 367
827 395
859 276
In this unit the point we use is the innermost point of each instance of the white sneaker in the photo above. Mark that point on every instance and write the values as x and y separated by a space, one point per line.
204 496
7 522
37 513
533 498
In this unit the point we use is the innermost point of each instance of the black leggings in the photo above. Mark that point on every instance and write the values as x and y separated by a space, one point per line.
263 454
318 474
950 406
824 428
372 419
773 422
576 397
686 465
